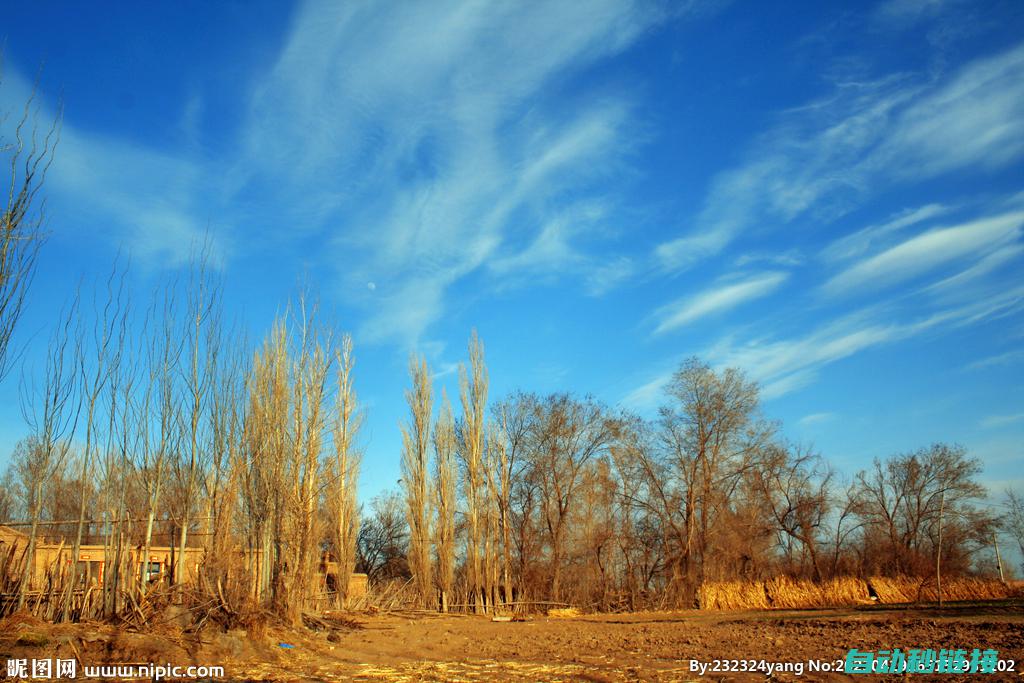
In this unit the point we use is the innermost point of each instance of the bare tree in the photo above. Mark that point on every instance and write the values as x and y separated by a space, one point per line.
657 511
687 469
96 357
509 441
569 433
8 498
514 422
220 481
262 463
415 477
279 465
160 413
845 525
1013 522
445 479
28 156
201 334
122 437
709 433
383 539
795 486
347 422
899 499
311 370
51 411
473 390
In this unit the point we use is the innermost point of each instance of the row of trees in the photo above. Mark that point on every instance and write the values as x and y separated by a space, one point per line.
527 499
565 499
162 419
160 423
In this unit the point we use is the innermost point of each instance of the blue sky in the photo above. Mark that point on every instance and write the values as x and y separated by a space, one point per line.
829 196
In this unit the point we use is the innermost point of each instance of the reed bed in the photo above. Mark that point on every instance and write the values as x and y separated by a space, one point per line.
786 593
733 595
897 589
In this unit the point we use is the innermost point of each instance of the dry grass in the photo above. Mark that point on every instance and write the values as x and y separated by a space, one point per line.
20 619
733 595
909 589
785 593
564 612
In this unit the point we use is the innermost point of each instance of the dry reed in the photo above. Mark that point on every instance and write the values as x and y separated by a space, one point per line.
786 593
900 589
733 595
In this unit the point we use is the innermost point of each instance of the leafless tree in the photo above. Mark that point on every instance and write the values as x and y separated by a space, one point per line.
513 417
899 500
122 437
445 480
843 529
220 481
311 370
473 388
415 477
347 423
8 497
568 434
795 486
708 433
1013 521
51 412
160 419
262 463
383 539
201 336
97 355
27 155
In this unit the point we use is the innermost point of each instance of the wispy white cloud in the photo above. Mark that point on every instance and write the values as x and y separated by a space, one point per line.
815 418
997 421
957 285
452 163
140 197
1008 358
716 300
974 120
552 249
787 258
925 252
784 365
904 12
417 156
735 199
603 276
824 158
857 243
648 396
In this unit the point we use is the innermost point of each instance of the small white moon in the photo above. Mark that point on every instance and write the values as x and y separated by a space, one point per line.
371 286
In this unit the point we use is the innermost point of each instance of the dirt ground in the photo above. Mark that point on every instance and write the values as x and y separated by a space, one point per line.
656 646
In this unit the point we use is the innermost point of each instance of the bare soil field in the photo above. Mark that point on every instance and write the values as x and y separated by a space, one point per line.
652 646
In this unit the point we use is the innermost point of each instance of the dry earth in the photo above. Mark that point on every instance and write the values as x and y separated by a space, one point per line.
655 646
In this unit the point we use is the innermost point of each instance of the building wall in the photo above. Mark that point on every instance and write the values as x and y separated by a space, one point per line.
51 557
357 586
